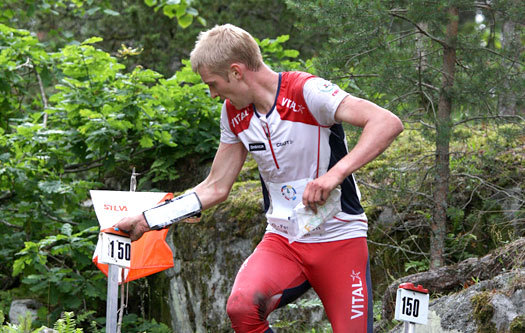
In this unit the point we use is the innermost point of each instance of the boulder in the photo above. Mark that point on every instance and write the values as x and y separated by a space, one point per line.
495 305
19 308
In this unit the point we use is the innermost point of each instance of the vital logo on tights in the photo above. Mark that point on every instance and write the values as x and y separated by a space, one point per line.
358 299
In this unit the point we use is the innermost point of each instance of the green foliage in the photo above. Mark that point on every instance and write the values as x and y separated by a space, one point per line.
279 58
416 266
62 263
24 326
483 212
376 49
99 120
133 323
179 9
67 324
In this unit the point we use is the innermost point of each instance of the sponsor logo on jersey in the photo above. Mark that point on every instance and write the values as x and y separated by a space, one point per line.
257 146
288 192
290 104
284 143
358 298
239 117
325 86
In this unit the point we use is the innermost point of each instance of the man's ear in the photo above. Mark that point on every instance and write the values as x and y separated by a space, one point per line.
236 70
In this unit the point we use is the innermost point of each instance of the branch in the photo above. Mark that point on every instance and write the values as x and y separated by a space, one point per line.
351 76
413 92
25 64
81 166
88 167
375 187
375 48
42 93
397 248
492 186
11 225
516 61
6 196
56 219
421 30
488 117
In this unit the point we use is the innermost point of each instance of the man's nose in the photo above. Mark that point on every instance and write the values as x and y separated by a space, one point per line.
213 93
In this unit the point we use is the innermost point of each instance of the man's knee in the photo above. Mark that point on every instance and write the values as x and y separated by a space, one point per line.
243 304
236 306
248 308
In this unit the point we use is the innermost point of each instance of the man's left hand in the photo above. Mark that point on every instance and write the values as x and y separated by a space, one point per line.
318 190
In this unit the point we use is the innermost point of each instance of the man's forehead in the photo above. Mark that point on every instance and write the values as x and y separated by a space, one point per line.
206 74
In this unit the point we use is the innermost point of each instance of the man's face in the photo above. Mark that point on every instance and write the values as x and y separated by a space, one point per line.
224 89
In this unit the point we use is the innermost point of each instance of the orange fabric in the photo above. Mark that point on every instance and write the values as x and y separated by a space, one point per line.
149 255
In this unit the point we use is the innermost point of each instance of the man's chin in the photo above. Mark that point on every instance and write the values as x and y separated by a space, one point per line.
239 106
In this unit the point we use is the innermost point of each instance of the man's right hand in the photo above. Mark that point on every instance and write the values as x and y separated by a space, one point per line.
136 226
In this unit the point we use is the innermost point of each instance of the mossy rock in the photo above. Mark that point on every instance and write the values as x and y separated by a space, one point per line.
483 312
517 325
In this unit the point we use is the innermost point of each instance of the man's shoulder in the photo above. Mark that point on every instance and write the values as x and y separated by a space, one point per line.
293 82
297 75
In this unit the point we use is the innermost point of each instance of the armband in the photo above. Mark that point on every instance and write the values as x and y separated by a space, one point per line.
173 210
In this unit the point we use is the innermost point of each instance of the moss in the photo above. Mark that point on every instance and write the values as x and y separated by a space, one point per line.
250 170
245 202
517 325
483 310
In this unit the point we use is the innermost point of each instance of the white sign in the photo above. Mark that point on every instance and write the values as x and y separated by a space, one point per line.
111 206
411 306
115 250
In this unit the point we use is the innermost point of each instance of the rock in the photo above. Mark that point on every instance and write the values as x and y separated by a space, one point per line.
449 278
20 307
387 217
488 306
47 330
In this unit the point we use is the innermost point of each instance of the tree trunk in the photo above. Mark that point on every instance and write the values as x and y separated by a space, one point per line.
443 133
511 44
422 66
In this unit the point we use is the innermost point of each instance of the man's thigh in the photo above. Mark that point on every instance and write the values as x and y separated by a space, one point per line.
339 272
271 276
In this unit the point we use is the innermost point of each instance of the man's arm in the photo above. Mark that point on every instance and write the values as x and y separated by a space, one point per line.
380 127
226 166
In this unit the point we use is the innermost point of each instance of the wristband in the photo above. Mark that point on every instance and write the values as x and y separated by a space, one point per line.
173 210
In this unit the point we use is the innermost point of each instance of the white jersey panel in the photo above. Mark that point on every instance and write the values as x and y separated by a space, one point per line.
227 136
323 99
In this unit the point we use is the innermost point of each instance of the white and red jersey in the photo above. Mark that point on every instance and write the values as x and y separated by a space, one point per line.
296 141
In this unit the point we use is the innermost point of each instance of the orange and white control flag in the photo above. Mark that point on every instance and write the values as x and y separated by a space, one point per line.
150 254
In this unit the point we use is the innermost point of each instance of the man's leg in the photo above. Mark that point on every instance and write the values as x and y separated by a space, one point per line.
339 272
268 279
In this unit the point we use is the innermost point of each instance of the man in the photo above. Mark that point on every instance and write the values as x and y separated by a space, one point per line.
291 123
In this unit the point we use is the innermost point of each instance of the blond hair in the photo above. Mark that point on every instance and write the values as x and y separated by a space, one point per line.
223 45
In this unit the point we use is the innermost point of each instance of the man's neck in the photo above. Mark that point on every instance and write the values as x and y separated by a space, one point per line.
265 85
